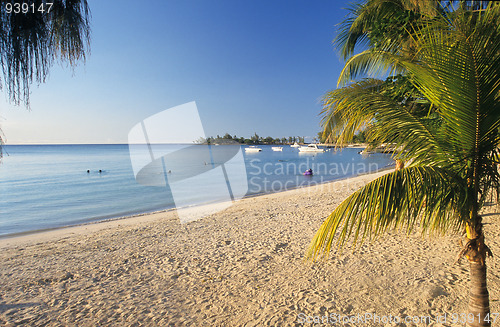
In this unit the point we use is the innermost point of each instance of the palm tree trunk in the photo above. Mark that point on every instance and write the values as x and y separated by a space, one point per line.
476 252
479 304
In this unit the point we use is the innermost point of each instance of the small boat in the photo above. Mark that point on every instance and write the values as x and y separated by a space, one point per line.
277 148
295 145
253 148
311 148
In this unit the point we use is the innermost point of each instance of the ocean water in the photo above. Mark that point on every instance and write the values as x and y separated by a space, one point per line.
48 186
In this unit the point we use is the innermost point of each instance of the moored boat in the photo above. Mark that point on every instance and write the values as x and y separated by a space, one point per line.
310 148
253 148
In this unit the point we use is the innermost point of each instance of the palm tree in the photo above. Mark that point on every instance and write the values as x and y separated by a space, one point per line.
451 169
383 24
31 42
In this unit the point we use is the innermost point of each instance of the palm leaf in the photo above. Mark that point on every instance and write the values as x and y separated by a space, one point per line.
457 68
425 196
459 72
369 62
348 110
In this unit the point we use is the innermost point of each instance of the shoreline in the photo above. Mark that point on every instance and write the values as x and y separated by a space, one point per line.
58 231
225 269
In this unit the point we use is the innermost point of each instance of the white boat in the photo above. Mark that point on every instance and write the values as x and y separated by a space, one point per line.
295 145
277 148
310 148
253 148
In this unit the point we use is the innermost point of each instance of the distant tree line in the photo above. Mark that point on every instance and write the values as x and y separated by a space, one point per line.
255 139
360 137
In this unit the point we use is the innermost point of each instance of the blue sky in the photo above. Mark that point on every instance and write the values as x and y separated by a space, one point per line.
251 66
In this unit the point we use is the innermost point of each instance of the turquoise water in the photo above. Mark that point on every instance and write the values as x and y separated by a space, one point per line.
48 186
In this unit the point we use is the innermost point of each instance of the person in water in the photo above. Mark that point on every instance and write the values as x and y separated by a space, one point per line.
308 172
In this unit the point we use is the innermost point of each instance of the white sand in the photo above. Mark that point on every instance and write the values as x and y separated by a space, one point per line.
243 266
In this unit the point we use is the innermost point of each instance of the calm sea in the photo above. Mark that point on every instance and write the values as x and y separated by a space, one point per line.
49 186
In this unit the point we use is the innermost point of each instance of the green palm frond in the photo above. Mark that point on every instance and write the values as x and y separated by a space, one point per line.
461 74
350 109
425 196
452 155
457 75
369 62
344 113
378 24
351 31
453 168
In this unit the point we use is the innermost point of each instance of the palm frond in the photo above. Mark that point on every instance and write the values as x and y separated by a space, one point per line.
351 31
459 72
344 111
426 196
456 67
349 109
371 63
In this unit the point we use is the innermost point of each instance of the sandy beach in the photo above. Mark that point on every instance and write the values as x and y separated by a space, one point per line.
243 266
